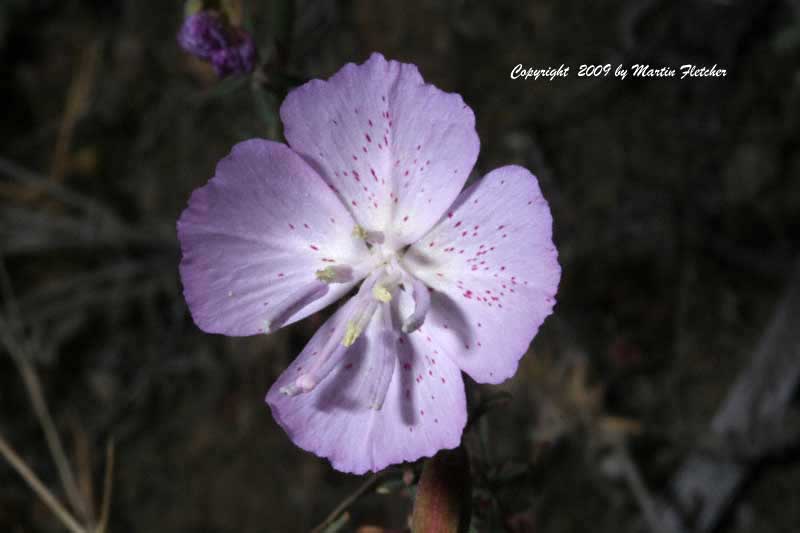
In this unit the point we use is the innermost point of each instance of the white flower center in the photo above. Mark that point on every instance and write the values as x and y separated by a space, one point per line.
378 289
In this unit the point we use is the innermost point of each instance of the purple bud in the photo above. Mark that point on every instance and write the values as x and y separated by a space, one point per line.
238 58
202 34
207 35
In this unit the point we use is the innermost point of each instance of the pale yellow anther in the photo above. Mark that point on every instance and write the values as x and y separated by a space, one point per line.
352 333
381 293
359 233
327 274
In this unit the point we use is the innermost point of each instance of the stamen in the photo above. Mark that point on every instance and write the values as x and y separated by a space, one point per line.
371 237
296 300
324 362
422 303
381 292
347 331
335 274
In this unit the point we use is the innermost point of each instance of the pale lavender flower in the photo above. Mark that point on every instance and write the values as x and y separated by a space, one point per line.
369 192
207 35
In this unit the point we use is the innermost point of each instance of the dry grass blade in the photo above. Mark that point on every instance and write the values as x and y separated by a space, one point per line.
34 388
29 180
76 105
659 518
83 462
105 505
38 487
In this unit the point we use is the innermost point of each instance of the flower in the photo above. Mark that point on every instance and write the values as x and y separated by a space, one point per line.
368 191
230 50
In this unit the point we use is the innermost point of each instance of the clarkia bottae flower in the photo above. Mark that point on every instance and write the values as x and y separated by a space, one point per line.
368 191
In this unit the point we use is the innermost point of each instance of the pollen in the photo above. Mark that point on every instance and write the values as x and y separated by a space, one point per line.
352 333
334 274
381 293
328 275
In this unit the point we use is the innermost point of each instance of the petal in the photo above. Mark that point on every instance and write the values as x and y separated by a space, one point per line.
254 236
396 150
494 272
424 409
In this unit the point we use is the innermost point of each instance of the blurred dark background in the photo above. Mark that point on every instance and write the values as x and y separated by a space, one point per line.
677 218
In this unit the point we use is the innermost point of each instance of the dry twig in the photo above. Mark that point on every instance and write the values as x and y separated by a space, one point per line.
33 386
39 488
80 500
705 485
365 487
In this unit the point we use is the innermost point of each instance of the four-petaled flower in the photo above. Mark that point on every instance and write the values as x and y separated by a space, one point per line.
369 191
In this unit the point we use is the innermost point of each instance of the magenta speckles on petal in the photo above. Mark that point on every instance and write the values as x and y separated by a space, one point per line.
420 123
481 281
238 255
280 232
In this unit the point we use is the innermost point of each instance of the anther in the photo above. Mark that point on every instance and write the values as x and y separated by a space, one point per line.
381 293
370 237
335 274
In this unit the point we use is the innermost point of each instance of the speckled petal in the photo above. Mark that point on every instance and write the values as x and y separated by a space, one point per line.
494 272
254 237
424 409
396 150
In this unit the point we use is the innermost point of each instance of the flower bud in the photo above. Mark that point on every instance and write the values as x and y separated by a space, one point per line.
238 58
207 35
444 494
